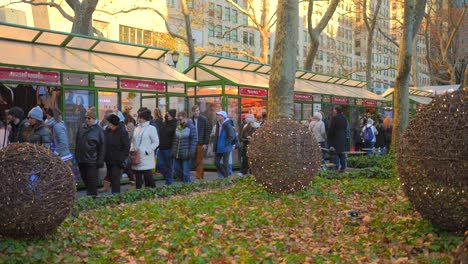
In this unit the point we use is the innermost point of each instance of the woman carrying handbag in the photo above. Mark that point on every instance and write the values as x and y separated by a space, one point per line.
145 140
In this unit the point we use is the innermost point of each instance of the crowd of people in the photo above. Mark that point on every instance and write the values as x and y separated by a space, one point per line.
173 144
333 134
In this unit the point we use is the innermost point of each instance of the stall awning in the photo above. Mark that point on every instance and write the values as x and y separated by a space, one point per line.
419 96
242 78
58 57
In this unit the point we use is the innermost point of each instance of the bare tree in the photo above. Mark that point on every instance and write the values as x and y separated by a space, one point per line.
262 24
283 68
314 33
413 14
370 23
83 13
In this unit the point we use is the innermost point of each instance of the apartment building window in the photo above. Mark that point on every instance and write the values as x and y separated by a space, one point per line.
227 33
145 37
219 31
320 55
234 35
171 3
245 19
219 12
227 14
211 9
211 47
235 53
210 31
251 39
190 3
234 16
245 37
219 49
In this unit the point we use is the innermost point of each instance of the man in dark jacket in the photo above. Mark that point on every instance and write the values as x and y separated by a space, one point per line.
117 150
36 133
184 146
203 128
18 124
337 137
222 146
90 151
166 137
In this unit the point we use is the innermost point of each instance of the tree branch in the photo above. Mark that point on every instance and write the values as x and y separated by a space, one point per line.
51 4
234 28
388 38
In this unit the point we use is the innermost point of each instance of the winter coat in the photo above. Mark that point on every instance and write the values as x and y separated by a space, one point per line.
185 141
337 133
157 123
318 128
37 134
203 130
117 145
145 140
90 146
380 137
166 134
223 139
60 135
247 131
16 133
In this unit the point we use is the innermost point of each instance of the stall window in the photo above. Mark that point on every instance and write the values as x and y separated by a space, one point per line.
233 90
175 88
177 103
209 90
307 111
148 101
162 104
108 103
75 79
77 102
208 107
191 91
131 102
297 111
105 81
255 106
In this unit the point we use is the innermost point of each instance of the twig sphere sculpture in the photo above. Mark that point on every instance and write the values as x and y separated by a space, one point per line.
433 161
37 191
284 156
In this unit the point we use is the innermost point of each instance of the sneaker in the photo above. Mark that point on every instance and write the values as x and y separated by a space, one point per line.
240 174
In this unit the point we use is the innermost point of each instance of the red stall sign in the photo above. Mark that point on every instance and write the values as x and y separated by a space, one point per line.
369 103
253 92
142 85
303 97
30 76
339 100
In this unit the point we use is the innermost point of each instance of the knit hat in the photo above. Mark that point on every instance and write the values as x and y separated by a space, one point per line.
222 113
318 115
91 113
249 118
370 121
172 112
113 119
145 114
16 112
36 113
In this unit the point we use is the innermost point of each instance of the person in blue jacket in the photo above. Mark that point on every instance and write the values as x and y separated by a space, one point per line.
222 146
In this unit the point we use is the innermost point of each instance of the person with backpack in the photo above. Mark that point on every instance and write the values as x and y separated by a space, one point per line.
368 133
223 139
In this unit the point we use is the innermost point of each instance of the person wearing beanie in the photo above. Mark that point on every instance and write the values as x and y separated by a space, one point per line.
144 142
36 132
90 151
317 127
18 124
369 133
59 134
224 134
246 134
117 144
166 136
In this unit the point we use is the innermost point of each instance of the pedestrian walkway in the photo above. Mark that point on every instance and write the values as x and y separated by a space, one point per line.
209 176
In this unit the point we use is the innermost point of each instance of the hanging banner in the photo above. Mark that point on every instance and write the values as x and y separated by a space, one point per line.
369 103
142 85
303 97
339 100
30 76
253 92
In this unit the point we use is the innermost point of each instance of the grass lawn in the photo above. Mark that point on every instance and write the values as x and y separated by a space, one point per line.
243 223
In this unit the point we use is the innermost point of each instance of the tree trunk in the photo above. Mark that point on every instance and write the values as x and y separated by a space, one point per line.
264 47
83 20
370 47
188 30
414 62
465 82
283 68
412 21
312 51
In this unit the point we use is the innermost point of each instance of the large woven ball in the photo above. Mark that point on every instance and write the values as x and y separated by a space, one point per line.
433 161
284 156
37 191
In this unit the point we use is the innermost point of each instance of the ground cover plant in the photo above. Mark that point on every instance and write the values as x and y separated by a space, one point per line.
347 220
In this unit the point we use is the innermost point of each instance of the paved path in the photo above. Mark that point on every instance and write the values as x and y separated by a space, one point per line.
209 176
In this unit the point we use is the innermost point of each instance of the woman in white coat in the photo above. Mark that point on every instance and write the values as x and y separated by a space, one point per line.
145 140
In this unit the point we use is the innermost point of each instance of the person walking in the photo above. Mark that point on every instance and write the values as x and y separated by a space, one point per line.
317 127
203 132
222 146
90 151
184 146
388 127
36 133
130 124
369 133
17 123
144 143
59 134
246 134
117 143
167 133
337 137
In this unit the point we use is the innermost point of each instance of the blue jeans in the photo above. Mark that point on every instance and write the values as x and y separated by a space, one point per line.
222 164
371 146
165 165
340 161
182 166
